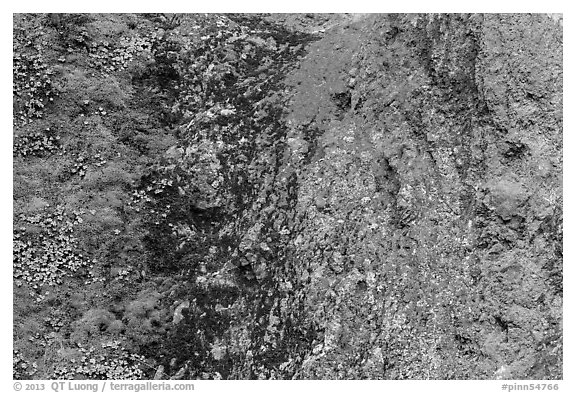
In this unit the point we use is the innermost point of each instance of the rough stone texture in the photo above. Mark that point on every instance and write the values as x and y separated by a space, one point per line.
374 197
424 233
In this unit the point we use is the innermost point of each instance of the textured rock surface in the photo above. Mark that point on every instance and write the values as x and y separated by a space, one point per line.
375 197
424 231
418 206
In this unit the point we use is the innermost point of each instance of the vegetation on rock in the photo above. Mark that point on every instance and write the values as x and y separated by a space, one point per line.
287 196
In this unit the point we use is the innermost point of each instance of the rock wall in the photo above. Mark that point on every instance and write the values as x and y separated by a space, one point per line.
431 212
290 196
420 186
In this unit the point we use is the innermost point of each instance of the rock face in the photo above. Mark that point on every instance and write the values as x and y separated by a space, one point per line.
350 197
434 252
415 213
